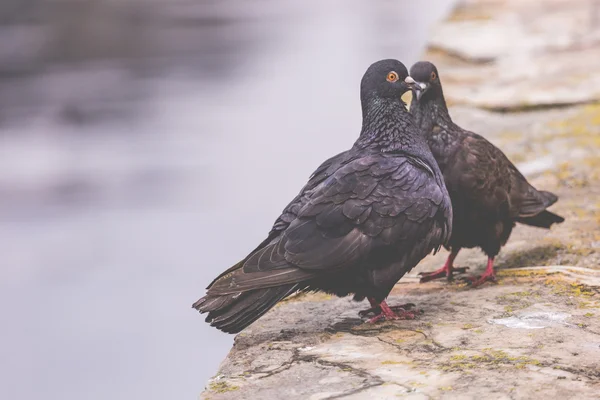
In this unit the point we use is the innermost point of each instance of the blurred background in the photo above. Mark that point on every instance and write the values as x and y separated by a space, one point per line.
147 145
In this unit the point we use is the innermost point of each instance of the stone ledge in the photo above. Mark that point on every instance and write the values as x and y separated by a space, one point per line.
514 55
464 345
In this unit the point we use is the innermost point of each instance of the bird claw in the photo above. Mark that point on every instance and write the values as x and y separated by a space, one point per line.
380 317
377 310
391 317
475 281
441 273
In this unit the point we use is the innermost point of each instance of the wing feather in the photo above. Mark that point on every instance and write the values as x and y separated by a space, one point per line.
369 202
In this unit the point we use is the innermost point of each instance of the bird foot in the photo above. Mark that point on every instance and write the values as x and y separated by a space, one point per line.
476 281
391 316
448 273
377 309
387 313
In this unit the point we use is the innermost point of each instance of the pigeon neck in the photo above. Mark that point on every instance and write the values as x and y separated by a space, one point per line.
430 111
387 126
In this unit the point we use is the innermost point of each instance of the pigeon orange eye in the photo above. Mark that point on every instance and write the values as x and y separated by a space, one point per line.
392 77
433 75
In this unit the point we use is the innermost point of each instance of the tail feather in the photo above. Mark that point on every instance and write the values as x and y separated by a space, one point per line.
545 219
536 202
549 197
208 303
248 316
233 312
246 304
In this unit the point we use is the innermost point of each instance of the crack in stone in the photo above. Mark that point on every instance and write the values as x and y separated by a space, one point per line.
296 358
473 61
534 107
281 368
357 371
299 358
590 373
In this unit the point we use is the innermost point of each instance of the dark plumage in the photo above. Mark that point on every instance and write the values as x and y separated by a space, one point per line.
489 195
365 218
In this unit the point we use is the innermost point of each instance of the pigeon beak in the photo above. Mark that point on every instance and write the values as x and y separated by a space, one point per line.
420 89
411 83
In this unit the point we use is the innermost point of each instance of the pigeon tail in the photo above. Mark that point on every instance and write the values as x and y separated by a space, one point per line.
231 313
535 202
533 211
545 219
549 198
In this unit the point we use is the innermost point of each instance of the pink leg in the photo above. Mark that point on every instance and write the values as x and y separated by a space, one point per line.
388 314
446 271
488 275
377 310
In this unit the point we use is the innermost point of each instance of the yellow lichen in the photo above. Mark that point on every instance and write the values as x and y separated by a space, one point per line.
390 362
520 273
490 358
222 387
562 287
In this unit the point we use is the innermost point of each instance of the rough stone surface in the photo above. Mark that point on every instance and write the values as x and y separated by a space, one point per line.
515 54
536 334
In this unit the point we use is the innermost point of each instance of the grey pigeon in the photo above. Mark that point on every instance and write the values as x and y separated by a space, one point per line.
364 219
489 195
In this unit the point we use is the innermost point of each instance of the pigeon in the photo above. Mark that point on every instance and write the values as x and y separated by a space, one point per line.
489 194
365 218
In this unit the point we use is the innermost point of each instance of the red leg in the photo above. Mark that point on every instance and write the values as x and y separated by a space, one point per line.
488 276
388 314
446 271
376 308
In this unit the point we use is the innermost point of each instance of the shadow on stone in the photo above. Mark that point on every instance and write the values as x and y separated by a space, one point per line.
535 256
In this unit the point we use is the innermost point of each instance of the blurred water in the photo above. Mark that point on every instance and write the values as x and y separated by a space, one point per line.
144 147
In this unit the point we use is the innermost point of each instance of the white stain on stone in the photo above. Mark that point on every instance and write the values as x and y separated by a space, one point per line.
533 320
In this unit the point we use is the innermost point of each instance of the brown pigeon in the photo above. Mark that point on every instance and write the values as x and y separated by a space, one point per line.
489 195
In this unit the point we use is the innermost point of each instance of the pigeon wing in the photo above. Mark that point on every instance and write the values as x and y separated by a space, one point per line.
372 202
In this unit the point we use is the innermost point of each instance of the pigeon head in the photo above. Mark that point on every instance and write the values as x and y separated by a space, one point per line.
426 77
386 122
385 79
